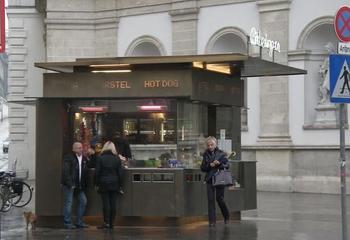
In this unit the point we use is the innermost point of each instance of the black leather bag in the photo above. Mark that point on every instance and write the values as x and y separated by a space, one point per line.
223 178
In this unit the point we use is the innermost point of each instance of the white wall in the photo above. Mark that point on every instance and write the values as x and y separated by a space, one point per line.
305 11
249 137
243 16
156 25
36 53
26 46
23 151
211 19
301 14
296 117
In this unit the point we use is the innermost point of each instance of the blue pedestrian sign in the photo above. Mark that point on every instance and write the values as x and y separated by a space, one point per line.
339 75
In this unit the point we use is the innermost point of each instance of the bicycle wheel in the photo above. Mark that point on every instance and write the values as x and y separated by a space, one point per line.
2 201
6 201
6 206
23 198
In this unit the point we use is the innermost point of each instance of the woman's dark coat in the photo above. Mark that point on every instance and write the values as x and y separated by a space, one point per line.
209 157
108 172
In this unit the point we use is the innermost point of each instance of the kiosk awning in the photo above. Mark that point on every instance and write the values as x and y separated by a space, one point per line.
224 63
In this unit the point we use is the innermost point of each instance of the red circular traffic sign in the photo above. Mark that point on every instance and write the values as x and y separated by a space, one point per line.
342 24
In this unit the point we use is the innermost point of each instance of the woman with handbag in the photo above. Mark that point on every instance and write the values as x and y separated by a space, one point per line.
108 180
213 160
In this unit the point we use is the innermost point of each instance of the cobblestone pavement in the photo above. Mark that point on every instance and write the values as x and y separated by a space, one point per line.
282 216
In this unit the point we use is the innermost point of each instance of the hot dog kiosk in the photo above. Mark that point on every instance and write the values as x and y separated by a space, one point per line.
164 107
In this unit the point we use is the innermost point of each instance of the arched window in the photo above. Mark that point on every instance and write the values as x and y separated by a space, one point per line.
316 41
145 46
231 40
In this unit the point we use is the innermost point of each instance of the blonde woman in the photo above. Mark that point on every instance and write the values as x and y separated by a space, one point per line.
214 159
108 179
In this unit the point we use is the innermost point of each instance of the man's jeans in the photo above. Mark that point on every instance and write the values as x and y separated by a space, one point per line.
68 202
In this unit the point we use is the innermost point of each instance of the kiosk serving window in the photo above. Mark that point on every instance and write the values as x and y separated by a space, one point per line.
138 121
161 132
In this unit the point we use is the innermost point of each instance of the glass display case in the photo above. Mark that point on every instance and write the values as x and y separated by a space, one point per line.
192 129
161 132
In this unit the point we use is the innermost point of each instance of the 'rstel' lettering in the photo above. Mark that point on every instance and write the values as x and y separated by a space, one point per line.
116 84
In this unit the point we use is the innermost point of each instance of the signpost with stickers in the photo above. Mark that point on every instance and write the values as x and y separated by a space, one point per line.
339 76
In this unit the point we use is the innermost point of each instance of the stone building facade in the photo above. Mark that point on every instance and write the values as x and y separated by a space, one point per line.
285 128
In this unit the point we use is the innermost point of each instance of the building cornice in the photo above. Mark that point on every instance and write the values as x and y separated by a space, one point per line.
208 3
151 9
184 14
87 24
273 5
22 11
303 54
185 11
299 55
22 4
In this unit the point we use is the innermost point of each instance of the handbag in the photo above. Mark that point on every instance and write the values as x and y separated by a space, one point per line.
222 178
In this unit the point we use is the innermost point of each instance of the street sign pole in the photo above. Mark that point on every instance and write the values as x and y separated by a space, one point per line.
339 66
343 170
340 72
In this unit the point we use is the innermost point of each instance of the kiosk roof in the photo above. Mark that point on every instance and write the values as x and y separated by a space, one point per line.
250 66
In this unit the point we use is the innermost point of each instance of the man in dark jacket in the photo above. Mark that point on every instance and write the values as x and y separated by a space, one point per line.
122 146
74 182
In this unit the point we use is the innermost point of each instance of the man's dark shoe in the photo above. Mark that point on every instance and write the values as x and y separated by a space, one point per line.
83 225
69 227
226 220
103 226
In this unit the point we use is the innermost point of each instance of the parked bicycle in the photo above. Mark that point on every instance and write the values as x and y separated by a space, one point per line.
13 191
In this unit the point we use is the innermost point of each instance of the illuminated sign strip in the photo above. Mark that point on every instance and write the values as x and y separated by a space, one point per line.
192 84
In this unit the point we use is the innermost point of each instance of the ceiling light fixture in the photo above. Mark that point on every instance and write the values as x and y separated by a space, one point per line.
152 108
112 71
109 65
94 109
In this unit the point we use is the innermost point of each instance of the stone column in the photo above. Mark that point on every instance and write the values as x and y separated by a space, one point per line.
70 35
106 25
274 155
274 100
184 17
106 37
25 46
